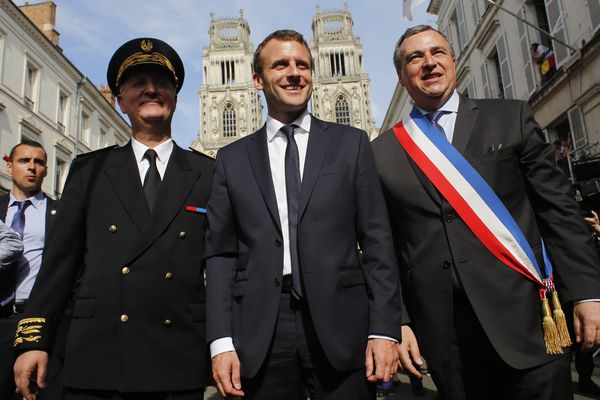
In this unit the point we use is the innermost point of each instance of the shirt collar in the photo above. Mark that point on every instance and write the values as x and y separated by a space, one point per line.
37 200
273 126
163 150
450 106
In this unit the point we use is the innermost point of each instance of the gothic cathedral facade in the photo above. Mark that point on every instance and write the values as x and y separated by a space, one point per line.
341 88
230 107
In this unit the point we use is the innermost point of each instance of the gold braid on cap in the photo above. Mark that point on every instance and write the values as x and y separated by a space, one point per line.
145 58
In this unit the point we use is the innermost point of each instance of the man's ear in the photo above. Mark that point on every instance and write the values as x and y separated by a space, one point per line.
258 81
399 73
120 101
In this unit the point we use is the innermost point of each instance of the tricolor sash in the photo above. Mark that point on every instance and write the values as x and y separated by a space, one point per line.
482 211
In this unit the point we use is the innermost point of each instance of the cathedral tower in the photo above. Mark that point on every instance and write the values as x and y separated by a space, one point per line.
230 107
341 88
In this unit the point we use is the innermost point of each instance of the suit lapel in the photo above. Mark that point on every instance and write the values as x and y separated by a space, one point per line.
463 129
425 182
123 174
175 188
318 142
50 212
465 120
258 155
4 206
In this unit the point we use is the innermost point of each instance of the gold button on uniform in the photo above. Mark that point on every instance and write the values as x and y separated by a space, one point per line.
52 212
182 235
124 270
124 318
167 322
169 276
112 228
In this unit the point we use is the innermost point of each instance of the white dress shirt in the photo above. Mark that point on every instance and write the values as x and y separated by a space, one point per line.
163 152
448 119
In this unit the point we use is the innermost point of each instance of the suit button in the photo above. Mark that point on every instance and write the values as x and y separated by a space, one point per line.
182 235
124 318
276 282
112 228
450 217
53 212
124 271
277 242
169 276
446 265
167 323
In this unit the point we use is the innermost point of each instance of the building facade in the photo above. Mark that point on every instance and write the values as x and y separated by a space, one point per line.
44 97
341 88
494 59
230 107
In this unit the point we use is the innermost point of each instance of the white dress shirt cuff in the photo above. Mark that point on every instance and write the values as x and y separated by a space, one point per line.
372 337
221 345
586 301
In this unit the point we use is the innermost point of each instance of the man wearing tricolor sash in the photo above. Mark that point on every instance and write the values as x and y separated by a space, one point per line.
487 236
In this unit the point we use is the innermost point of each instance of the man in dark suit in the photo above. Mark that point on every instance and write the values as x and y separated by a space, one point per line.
30 213
131 234
291 304
477 321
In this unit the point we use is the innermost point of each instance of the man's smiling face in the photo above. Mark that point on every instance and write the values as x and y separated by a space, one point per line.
427 69
286 78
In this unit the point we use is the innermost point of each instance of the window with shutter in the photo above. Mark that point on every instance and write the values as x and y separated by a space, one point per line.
556 22
485 80
577 125
505 72
526 54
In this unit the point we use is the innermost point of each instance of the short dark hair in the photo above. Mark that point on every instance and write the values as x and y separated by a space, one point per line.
27 142
410 32
283 35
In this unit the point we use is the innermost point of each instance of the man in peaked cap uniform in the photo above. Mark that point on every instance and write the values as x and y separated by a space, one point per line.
131 234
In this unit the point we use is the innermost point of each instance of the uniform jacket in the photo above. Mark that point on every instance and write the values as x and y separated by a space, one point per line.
138 320
341 204
505 145
8 276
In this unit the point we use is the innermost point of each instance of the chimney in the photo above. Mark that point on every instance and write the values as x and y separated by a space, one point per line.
107 94
43 15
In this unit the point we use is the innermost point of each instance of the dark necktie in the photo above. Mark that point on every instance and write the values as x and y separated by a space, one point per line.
434 118
152 179
18 222
292 186
18 225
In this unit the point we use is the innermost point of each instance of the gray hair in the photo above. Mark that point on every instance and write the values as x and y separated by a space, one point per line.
410 32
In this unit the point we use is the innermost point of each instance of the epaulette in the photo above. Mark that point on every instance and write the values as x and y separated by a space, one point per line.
114 146
201 153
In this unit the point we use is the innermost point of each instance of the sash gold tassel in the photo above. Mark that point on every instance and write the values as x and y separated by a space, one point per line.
560 321
550 331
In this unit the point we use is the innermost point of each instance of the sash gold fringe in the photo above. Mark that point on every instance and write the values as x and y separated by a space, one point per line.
560 321
551 338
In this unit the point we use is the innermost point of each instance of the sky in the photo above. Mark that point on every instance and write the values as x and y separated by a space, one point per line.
90 32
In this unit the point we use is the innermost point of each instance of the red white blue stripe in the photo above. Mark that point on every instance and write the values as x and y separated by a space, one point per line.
472 198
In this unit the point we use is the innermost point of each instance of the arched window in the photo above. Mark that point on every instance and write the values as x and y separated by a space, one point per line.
229 120
342 111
